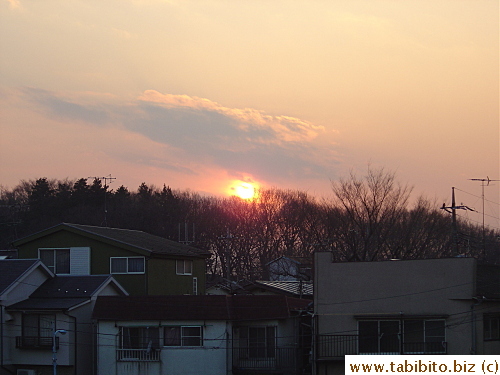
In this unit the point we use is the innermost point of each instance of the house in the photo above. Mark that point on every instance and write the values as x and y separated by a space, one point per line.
142 263
433 306
289 268
222 286
216 334
57 315
218 285
292 288
18 280
35 304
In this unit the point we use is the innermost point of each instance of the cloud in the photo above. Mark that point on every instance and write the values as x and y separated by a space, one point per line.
14 4
189 136
284 128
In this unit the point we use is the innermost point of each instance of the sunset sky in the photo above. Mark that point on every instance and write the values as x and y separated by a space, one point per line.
290 94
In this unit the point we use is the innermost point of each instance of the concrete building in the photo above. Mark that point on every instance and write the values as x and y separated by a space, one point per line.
434 306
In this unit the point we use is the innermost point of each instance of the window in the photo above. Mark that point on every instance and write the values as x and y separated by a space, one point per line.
491 327
183 336
37 331
56 260
379 336
195 286
139 338
424 336
69 261
184 267
257 342
128 265
419 336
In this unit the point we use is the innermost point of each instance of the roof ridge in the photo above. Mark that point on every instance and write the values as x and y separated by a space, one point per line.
112 228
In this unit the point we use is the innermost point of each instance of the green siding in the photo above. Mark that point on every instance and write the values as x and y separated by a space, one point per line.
164 280
161 276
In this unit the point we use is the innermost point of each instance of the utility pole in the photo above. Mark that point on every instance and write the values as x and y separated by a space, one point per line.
454 225
484 182
106 179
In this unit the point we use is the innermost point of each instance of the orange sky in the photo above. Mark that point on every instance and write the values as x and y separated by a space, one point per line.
288 94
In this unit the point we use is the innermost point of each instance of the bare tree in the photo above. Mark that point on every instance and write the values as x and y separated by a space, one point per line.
368 210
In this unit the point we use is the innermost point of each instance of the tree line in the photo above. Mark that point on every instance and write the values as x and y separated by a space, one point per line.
368 218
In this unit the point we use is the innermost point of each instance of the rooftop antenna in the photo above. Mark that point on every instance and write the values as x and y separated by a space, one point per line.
484 182
106 179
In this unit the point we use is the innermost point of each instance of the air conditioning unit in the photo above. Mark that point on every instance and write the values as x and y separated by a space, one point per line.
25 372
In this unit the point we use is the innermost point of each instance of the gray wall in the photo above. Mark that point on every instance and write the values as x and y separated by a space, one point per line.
430 287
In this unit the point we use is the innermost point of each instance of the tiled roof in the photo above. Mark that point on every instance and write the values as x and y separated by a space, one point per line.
13 269
70 286
295 288
134 238
48 303
216 307
63 293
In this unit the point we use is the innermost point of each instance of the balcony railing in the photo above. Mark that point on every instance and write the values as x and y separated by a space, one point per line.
337 346
139 355
425 347
36 342
265 359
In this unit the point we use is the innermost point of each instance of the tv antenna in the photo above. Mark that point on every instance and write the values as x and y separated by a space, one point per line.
484 182
106 179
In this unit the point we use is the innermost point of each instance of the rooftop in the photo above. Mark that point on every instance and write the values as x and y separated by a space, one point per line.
186 307
12 269
135 239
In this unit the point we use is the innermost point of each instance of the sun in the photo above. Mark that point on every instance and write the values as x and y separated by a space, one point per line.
244 190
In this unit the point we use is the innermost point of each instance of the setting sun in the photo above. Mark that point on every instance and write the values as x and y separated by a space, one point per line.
244 190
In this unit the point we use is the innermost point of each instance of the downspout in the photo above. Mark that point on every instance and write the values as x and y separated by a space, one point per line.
229 353
75 340
314 339
473 347
146 277
1 341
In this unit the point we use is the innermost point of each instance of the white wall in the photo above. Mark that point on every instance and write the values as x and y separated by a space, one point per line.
65 354
22 290
208 360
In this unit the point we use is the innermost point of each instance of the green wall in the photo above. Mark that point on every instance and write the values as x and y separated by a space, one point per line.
162 278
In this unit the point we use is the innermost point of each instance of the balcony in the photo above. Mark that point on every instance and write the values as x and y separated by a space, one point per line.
138 355
36 342
262 359
331 347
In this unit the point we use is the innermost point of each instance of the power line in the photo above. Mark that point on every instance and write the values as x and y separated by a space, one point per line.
484 182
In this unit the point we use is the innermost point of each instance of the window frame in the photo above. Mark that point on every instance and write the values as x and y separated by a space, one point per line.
427 335
195 286
127 337
127 272
34 335
183 271
251 346
38 326
182 337
487 319
54 250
